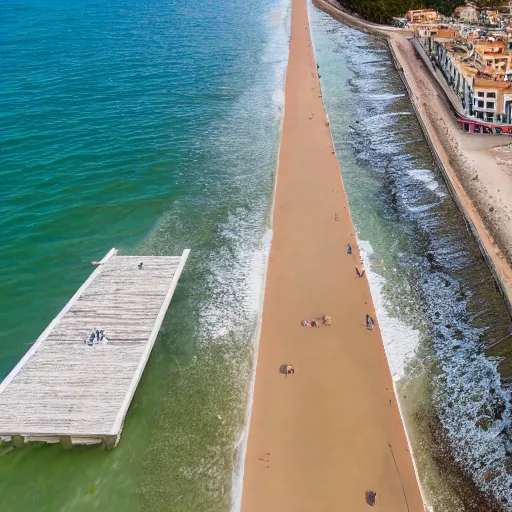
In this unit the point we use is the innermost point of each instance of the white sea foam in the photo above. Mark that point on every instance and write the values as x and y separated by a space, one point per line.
400 340
234 279
385 97
472 403
386 116
427 177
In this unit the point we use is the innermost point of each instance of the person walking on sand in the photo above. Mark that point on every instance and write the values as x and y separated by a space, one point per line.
358 274
369 322
349 249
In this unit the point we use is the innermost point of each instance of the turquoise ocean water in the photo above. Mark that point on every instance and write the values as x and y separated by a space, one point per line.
151 126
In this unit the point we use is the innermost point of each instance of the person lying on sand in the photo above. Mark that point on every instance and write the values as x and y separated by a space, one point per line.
318 321
290 370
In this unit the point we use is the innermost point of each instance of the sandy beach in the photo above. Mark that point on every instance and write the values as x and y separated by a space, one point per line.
478 169
322 438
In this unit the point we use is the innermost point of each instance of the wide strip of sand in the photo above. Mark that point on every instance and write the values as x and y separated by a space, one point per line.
320 439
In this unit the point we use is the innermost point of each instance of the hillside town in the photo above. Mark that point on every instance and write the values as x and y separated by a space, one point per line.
471 55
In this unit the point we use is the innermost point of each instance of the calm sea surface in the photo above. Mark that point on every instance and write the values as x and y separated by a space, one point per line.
151 126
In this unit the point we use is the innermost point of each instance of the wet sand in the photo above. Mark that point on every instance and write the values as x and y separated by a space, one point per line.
332 431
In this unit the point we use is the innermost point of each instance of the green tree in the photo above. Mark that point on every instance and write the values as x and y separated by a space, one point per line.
382 11
491 4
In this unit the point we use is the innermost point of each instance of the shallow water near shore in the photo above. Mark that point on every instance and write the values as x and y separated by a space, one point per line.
446 329
152 127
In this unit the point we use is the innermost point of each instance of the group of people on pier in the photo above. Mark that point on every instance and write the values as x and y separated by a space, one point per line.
96 337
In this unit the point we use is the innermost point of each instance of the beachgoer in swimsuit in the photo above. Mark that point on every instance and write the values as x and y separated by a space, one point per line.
349 249
369 322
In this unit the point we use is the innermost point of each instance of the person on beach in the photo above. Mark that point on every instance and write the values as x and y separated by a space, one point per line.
327 320
349 249
371 498
369 322
290 370
362 267
358 274
314 323
140 265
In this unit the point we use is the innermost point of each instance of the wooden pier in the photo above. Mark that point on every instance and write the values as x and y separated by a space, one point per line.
70 389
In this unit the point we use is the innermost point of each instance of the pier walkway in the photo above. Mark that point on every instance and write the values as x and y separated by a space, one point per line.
68 390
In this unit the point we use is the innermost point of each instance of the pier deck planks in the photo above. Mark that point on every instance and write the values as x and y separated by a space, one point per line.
64 388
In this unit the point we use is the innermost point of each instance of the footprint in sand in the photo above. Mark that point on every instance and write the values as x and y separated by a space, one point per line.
266 459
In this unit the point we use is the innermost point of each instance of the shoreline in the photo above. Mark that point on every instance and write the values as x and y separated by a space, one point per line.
456 168
325 436
237 478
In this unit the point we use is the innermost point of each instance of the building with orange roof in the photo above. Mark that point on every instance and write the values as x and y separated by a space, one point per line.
477 66
422 16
